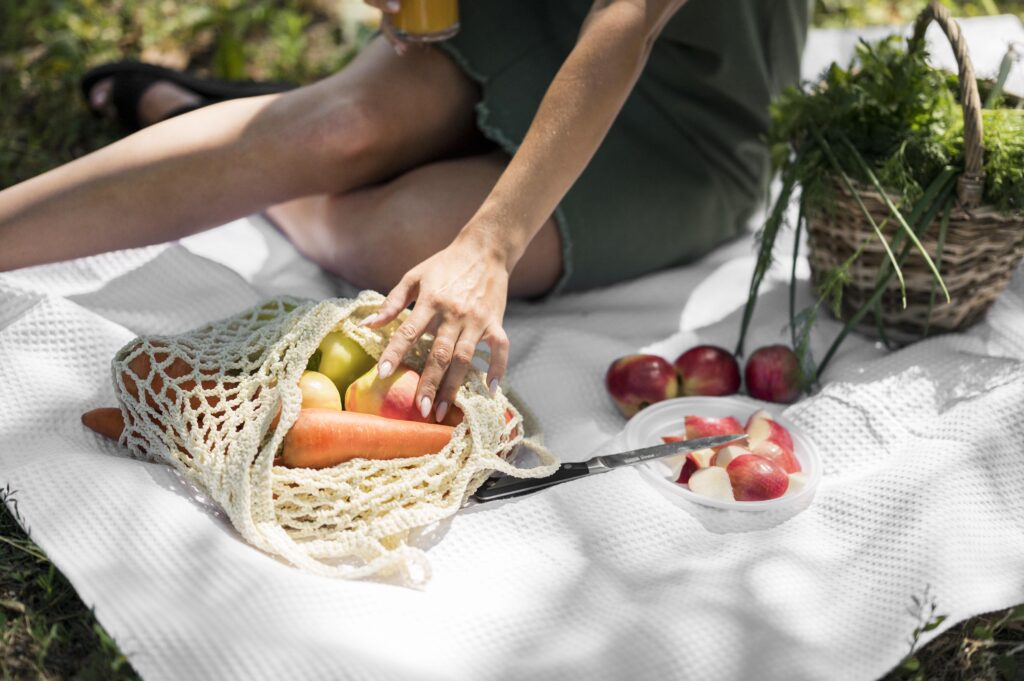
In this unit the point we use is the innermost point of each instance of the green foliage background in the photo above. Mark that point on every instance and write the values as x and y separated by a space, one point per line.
46 632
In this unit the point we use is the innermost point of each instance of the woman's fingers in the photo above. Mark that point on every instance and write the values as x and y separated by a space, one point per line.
399 298
389 7
439 361
496 338
407 333
386 6
462 356
388 29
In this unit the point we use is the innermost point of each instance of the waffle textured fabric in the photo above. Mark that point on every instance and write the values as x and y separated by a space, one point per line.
216 402
598 579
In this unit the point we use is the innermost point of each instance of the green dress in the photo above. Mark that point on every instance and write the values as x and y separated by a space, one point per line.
684 165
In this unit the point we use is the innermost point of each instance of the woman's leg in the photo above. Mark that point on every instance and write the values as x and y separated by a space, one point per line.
373 236
380 116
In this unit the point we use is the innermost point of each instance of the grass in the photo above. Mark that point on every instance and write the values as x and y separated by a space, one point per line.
46 632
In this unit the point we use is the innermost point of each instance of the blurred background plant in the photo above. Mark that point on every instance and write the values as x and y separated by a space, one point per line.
46 632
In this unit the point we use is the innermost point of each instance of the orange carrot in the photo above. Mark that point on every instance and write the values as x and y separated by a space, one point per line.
106 421
325 437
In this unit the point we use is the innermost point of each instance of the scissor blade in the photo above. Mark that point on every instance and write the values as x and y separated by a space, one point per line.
636 456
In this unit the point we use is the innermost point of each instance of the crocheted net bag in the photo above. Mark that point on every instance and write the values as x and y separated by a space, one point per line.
207 403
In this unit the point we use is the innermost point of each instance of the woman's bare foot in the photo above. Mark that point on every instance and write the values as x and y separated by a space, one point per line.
158 100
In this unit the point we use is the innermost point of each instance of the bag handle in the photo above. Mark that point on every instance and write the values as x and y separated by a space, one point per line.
971 184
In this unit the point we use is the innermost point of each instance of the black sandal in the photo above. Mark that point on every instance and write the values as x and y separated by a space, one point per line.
132 78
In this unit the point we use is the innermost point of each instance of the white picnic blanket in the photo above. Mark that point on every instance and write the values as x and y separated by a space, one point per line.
598 579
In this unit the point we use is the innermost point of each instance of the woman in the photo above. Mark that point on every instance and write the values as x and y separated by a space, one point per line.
625 138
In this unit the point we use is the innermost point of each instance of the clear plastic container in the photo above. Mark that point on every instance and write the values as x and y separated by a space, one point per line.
666 418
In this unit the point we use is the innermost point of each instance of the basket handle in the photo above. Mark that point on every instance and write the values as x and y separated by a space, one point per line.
970 185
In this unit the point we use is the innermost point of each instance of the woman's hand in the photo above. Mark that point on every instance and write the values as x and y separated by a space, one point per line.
387 8
460 295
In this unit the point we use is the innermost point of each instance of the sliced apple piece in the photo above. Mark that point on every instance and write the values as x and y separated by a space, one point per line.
756 478
762 427
675 465
701 426
779 454
682 466
712 482
726 454
702 456
797 481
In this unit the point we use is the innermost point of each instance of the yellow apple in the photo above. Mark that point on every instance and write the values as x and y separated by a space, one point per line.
318 392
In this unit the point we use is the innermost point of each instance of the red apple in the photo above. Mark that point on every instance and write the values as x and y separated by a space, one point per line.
701 426
683 465
708 370
713 482
761 426
726 454
393 397
773 374
636 381
779 454
756 478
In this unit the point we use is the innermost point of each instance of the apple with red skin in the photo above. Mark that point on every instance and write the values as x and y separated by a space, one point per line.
762 427
756 478
705 426
779 454
636 381
773 374
708 370
393 397
688 463
725 455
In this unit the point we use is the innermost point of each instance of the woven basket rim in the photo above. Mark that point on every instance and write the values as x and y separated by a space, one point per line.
985 210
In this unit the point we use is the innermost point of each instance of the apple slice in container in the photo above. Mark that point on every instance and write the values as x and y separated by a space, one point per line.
779 454
761 427
705 426
682 466
725 455
756 478
712 482
797 481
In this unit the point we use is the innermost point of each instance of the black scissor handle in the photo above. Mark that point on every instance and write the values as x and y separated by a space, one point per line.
506 486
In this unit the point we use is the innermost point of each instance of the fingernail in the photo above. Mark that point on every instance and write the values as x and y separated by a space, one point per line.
424 407
369 320
394 6
493 385
385 368
442 409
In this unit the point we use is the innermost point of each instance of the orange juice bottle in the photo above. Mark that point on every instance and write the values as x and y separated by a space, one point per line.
424 21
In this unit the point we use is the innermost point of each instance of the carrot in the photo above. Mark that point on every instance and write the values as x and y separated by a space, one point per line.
107 421
324 437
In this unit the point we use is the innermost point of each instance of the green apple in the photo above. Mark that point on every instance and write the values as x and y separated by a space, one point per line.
343 360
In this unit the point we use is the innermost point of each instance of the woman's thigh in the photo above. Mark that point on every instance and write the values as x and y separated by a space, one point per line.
379 116
373 236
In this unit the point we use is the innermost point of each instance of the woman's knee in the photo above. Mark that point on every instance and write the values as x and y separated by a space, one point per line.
326 135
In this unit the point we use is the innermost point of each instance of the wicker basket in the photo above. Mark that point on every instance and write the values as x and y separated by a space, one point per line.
982 246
